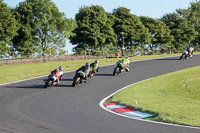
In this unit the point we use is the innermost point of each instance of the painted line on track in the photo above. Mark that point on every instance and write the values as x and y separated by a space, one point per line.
101 104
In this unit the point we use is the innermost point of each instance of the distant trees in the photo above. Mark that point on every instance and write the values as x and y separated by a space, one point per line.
172 33
130 30
93 30
160 38
181 29
37 26
192 14
34 26
25 43
43 27
8 29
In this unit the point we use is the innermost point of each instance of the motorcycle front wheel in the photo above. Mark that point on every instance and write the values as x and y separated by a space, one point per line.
116 71
48 83
76 81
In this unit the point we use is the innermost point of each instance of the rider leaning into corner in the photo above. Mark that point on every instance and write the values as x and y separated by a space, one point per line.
126 63
190 51
58 73
95 66
86 70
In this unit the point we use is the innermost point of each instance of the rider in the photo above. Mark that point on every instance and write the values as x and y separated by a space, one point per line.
95 66
86 70
58 73
126 63
190 51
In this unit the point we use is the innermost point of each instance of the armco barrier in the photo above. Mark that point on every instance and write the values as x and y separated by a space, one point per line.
45 60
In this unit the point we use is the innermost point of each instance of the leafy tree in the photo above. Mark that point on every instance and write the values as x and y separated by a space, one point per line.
70 26
8 28
192 14
25 43
160 33
129 28
182 30
93 28
49 27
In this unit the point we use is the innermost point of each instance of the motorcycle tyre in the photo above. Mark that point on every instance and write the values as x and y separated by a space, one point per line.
76 81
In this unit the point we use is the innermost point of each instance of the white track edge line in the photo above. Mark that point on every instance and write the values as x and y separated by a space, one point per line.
101 104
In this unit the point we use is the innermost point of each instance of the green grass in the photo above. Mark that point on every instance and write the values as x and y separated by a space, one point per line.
173 98
24 71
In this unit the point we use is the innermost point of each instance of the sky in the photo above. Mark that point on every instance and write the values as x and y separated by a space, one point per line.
150 8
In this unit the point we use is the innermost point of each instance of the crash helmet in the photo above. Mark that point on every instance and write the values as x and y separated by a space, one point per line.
127 58
96 61
87 65
60 68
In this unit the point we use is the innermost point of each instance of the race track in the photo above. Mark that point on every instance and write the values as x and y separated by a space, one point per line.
26 107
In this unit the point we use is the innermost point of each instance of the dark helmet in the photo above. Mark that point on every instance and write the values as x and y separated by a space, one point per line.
96 61
87 65
60 68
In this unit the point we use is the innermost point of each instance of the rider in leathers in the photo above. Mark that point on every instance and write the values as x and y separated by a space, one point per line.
58 73
86 70
190 51
94 66
126 63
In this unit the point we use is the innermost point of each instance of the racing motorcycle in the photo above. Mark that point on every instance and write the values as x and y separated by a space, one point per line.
119 67
184 55
78 78
52 79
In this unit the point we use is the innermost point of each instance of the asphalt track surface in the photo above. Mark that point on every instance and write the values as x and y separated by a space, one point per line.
26 107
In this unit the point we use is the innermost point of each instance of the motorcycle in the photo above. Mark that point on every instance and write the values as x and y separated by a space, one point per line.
52 80
119 67
184 55
78 78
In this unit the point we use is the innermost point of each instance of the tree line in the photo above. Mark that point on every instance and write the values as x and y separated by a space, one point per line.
99 32
34 26
38 28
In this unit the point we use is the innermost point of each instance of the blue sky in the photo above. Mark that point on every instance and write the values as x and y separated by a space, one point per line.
150 8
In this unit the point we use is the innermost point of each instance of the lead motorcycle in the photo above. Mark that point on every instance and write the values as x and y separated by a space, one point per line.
52 79
119 67
184 55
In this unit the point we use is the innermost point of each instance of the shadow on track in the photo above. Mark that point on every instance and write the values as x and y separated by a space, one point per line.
96 74
63 86
67 80
37 86
28 87
169 59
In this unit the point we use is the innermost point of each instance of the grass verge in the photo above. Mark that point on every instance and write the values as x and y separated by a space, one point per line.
24 71
176 101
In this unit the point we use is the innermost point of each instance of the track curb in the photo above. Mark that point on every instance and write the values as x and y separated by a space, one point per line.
101 103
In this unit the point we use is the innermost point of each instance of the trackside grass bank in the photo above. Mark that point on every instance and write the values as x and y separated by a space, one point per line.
25 71
173 98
